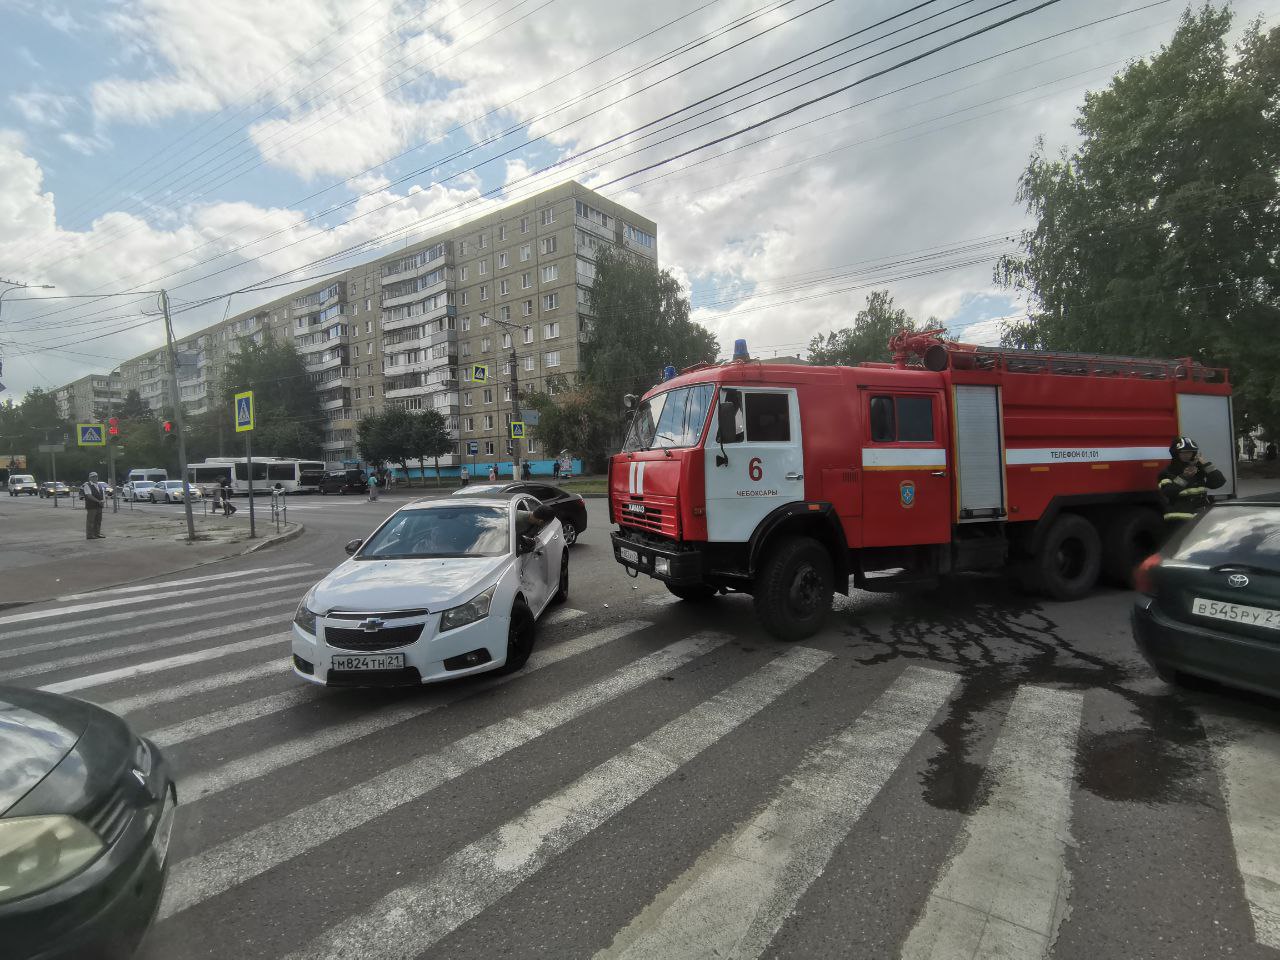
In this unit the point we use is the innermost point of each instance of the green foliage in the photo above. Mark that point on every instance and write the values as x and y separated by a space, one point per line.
372 442
579 420
1160 235
397 436
286 404
429 438
133 407
868 338
641 325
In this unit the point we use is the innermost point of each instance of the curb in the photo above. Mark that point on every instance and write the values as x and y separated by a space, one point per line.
293 534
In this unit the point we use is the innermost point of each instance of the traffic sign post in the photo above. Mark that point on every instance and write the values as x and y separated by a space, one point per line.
244 419
480 373
91 435
53 449
517 429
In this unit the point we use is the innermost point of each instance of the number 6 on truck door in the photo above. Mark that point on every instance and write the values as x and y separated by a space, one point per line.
765 468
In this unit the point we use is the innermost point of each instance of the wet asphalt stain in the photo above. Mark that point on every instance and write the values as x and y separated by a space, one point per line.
998 640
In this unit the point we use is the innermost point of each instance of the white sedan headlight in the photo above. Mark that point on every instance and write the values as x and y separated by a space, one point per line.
306 617
477 608
38 852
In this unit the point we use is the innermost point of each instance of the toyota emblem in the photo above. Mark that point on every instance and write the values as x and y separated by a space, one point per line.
1237 580
373 624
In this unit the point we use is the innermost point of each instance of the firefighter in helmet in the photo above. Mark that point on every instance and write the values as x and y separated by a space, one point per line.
1185 483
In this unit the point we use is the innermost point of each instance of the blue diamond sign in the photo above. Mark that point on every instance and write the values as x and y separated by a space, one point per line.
91 435
244 411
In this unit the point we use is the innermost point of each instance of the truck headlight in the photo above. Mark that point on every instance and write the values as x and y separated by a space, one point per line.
662 565
305 617
39 852
477 608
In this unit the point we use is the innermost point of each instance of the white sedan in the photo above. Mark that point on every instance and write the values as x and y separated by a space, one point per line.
442 589
170 491
138 490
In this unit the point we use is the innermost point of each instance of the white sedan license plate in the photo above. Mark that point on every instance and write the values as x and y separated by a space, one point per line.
629 555
368 661
1236 613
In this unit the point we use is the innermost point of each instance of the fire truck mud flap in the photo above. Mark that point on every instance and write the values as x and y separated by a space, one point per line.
670 566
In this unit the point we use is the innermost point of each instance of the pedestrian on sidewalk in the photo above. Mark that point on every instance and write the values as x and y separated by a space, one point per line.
493 472
94 498
228 508
373 487
466 477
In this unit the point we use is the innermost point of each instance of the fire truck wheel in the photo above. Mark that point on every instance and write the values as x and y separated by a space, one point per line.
793 590
693 592
1129 537
1070 558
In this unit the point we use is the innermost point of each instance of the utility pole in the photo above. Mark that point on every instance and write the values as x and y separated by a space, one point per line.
515 397
177 417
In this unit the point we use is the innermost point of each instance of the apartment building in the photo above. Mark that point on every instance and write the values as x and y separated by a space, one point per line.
409 328
89 399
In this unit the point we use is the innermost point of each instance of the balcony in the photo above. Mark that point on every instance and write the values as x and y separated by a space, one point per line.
337 403
414 390
444 336
415 295
448 410
319 366
417 366
414 269
590 226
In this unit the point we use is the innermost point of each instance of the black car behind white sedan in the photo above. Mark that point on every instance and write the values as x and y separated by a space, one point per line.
1211 608
570 509
86 811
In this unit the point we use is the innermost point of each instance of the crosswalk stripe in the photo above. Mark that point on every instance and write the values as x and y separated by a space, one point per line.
49 666
1004 891
220 868
132 631
99 605
167 663
190 688
563 615
207 578
1249 763
233 716
313 743
735 898
134 615
409 920
661 599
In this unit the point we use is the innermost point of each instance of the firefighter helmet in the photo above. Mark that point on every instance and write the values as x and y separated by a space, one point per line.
1182 443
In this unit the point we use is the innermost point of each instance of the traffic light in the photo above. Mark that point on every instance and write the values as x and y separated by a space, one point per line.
168 426
113 427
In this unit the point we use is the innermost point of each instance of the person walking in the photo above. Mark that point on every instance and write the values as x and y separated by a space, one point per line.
94 498
373 487
493 472
1185 483
224 490
555 469
526 471
466 477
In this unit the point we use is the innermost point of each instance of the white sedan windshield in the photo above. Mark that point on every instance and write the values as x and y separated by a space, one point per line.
462 531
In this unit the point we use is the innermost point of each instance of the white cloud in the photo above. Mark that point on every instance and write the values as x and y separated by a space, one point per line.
86 145
43 108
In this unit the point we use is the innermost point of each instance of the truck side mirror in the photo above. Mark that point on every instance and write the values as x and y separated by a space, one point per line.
726 422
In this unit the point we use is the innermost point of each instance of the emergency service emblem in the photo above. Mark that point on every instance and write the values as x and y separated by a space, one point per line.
907 494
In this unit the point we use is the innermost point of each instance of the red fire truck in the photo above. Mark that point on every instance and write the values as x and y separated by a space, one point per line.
787 481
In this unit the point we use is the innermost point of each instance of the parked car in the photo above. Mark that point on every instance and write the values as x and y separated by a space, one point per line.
570 509
54 488
138 490
86 812
170 491
23 483
343 482
442 589
1211 599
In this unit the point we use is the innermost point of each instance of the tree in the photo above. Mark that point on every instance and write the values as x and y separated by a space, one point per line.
868 338
578 419
641 325
285 401
1160 234
429 437
133 407
371 440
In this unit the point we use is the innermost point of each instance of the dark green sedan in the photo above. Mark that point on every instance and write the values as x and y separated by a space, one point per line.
1211 604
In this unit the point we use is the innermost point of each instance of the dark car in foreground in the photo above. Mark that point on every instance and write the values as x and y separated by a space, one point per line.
569 508
86 811
343 482
1211 604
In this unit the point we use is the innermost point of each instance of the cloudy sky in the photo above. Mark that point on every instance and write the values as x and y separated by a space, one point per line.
795 153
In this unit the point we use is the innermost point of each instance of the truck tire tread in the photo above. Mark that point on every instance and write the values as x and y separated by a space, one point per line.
776 580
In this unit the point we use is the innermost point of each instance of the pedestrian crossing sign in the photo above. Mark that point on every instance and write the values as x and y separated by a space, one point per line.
244 411
517 429
480 373
91 435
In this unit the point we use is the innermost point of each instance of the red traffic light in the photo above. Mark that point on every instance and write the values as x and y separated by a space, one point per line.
113 426
168 426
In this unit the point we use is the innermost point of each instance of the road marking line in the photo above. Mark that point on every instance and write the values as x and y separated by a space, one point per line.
83 659
88 607
314 742
1004 892
563 615
168 694
134 615
165 584
220 868
411 919
661 599
735 898
1248 760
168 663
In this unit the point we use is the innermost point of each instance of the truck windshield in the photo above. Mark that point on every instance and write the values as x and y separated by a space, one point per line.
671 419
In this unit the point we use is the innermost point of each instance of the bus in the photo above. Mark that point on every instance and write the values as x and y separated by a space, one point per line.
294 476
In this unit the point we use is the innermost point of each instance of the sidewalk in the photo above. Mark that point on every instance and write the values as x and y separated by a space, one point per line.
43 552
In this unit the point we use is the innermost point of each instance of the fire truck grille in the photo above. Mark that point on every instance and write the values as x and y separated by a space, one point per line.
654 519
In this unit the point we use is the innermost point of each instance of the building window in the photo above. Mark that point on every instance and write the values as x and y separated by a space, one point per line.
464 298
484 319
466 348
462 248
370 373
524 224
368 326
550 330
368 301
526 252
502 260
484 267
550 301
548 245
506 341
482 241
462 274
488 421
466 324
528 364
502 233
504 312
548 216
552 359
488 395
528 334
550 273
484 292
466 397
504 287
527 308
469 423
526 281
486 344
488 448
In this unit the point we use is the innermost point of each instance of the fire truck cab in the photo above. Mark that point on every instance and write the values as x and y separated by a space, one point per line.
788 481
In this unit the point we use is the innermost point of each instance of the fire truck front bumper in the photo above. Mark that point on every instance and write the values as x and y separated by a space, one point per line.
660 561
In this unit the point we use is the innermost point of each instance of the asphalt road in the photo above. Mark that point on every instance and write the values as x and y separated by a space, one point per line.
955 772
